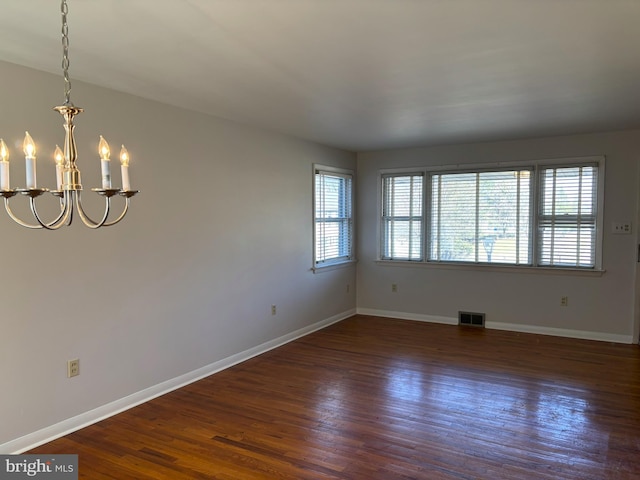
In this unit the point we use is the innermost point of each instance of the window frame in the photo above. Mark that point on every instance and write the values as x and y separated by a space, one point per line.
341 260
597 220
479 171
536 166
392 218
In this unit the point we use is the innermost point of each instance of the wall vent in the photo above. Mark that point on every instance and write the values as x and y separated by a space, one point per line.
473 319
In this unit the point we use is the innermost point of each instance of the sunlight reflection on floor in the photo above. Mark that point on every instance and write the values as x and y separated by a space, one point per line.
549 413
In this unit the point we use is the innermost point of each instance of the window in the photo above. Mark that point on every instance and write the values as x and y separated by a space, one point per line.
545 214
333 207
481 217
567 216
402 222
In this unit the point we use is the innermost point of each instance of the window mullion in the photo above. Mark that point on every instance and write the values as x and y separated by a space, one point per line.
411 190
579 219
439 224
535 196
553 215
321 233
391 218
518 176
477 219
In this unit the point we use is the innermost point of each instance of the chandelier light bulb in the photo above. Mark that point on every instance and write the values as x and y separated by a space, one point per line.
58 156
28 146
124 156
4 151
103 149
105 162
124 169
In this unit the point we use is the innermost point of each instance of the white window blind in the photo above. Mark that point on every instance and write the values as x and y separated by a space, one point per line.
333 217
544 213
481 217
402 216
567 216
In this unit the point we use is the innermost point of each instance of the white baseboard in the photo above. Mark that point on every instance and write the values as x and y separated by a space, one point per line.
408 316
561 332
513 327
39 437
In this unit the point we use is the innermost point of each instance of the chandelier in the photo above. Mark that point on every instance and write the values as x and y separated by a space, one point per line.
69 187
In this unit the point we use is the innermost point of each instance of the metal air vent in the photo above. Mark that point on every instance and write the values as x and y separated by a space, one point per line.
473 319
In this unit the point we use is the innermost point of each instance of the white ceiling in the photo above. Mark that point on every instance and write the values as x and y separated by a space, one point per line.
356 74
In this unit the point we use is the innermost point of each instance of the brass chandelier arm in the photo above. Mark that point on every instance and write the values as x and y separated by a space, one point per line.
53 225
69 200
107 194
16 219
124 212
57 223
85 218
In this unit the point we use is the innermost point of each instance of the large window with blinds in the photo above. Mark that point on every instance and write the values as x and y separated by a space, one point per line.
402 219
567 223
333 212
542 214
481 217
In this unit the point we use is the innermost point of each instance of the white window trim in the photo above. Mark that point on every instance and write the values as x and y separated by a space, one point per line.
381 206
598 269
330 265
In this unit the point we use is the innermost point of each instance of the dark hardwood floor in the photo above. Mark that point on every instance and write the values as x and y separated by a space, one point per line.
373 398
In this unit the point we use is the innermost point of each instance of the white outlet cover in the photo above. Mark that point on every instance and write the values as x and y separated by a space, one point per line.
621 228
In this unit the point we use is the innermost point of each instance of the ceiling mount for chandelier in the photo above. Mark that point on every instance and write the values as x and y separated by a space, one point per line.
68 185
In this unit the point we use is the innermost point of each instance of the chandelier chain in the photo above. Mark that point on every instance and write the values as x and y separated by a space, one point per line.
64 9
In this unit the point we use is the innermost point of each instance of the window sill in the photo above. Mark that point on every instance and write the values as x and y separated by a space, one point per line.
333 266
484 267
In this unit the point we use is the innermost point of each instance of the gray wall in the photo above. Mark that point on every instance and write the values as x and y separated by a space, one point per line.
221 231
600 307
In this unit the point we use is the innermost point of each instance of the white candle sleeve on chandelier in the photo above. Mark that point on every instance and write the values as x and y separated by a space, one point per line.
124 169
4 166
31 171
59 177
105 165
29 149
4 176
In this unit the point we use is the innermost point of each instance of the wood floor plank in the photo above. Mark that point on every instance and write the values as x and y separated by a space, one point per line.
374 398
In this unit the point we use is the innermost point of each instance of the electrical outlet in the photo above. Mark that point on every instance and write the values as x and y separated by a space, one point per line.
273 309
73 368
621 228
394 287
564 301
